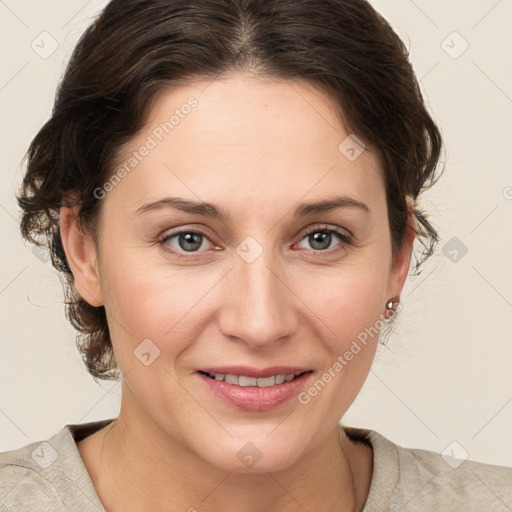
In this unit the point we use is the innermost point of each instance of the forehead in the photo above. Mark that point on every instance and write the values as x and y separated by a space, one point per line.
258 138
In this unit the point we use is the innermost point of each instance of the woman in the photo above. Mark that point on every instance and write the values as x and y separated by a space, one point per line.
199 157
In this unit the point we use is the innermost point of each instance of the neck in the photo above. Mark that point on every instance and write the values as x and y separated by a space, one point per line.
134 465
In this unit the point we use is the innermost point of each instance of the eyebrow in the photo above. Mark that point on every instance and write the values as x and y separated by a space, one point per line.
213 211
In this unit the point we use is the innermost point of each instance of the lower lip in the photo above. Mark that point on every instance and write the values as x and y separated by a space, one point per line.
253 398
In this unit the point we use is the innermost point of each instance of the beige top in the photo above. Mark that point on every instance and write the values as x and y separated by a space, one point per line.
51 476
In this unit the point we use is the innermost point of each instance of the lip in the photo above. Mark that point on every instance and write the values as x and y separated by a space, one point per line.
254 372
253 398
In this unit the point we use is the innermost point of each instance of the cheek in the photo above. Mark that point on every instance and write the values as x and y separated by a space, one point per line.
354 317
351 304
153 301
347 300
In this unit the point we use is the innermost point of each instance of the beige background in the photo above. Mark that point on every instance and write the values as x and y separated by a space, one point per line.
446 376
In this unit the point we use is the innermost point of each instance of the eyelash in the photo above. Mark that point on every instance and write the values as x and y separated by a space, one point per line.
325 228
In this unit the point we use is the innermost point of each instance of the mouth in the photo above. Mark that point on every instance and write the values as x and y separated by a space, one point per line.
254 390
248 381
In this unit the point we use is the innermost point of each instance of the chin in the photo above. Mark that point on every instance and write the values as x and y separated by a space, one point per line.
259 456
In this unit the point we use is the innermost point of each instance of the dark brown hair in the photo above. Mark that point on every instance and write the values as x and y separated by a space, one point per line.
135 48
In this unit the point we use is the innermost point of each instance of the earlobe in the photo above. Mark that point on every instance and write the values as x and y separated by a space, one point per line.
81 256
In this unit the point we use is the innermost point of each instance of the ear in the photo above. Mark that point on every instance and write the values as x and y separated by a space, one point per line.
81 256
400 265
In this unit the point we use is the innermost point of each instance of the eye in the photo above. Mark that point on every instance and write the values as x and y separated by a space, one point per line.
321 238
186 242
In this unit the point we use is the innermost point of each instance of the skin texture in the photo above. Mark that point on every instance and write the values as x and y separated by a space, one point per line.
256 147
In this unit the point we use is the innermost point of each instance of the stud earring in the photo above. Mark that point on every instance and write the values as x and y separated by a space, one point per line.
392 304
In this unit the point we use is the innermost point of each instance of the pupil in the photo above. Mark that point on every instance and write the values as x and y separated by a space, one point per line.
190 241
320 237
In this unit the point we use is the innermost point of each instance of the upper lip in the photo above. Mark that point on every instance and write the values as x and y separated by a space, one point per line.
249 371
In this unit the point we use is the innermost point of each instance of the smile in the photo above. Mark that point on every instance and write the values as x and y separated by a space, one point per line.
255 392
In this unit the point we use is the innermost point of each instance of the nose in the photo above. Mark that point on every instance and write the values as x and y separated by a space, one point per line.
260 307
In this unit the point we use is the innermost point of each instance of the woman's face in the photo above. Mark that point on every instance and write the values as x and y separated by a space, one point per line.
251 293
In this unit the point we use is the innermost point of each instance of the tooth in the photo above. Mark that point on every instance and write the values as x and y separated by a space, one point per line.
246 381
266 382
231 379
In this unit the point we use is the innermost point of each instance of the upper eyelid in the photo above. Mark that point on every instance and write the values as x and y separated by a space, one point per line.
327 227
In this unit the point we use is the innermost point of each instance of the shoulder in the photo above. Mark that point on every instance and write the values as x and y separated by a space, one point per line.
433 479
410 479
26 481
48 475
